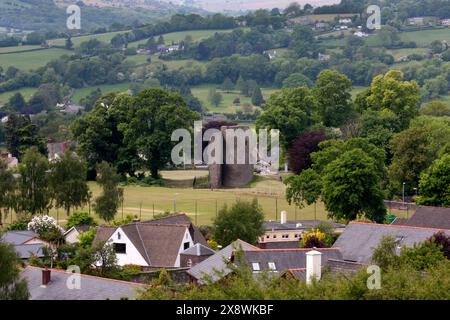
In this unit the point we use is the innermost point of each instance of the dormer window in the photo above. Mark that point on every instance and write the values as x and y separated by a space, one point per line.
256 266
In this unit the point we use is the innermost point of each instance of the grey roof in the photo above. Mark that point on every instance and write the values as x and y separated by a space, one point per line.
25 251
285 259
299 225
198 250
18 237
92 288
182 218
428 217
158 244
103 234
79 228
359 239
299 274
217 262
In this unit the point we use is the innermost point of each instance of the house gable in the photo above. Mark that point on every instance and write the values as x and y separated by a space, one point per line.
132 254
187 241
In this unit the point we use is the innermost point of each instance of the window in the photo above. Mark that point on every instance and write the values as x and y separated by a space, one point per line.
186 245
120 248
272 266
118 235
255 266
267 236
274 236
285 236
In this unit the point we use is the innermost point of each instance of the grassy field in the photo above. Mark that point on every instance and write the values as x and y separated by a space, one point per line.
226 106
104 37
425 37
202 204
26 93
399 53
176 37
18 48
32 59
106 88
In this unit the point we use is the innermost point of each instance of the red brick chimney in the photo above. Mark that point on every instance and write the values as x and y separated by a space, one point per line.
46 276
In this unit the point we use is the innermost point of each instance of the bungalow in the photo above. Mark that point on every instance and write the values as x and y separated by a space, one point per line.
359 239
26 243
53 284
287 234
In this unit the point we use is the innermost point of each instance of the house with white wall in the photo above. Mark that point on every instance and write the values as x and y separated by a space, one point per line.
149 245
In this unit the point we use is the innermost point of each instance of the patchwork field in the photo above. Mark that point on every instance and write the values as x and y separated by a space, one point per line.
106 88
18 48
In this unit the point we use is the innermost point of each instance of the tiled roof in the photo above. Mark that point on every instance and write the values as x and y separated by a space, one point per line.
18 237
199 250
217 262
428 217
285 259
103 233
92 288
158 244
359 239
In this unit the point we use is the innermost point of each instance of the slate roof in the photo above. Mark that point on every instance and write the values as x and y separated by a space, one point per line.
19 238
285 259
158 244
80 228
198 250
92 288
182 218
428 217
103 234
359 239
299 274
298 225
217 262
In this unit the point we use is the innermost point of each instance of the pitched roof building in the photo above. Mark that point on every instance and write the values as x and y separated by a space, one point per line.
427 217
359 239
26 243
61 287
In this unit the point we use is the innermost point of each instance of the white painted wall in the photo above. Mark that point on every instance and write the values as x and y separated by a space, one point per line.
187 238
132 256
72 236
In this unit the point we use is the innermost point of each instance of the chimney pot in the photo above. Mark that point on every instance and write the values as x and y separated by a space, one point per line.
46 276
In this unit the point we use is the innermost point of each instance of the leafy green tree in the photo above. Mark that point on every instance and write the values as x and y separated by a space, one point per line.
16 103
415 149
34 194
352 188
214 97
87 238
303 189
155 114
12 285
290 111
436 108
257 97
297 79
332 93
434 183
104 254
242 86
68 182
391 92
99 138
108 202
80 218
227 85
243 220
69 44
7 189
21 134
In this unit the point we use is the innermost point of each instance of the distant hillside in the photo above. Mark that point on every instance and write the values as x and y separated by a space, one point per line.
244 5
48 15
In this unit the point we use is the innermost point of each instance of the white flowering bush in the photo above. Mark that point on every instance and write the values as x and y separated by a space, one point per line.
43 225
